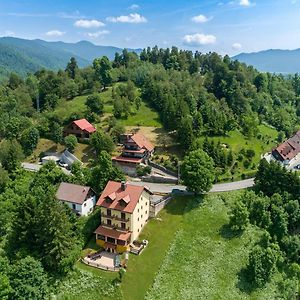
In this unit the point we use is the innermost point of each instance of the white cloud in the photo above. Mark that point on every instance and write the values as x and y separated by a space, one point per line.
198 39
236 46
131 18
88 23
245 3
97 33
9 33
55 33
134 6
200 19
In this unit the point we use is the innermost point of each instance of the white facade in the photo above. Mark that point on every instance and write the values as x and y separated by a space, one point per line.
85 208
140 215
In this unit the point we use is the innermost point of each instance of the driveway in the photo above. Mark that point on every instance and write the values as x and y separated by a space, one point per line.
219 187
35 167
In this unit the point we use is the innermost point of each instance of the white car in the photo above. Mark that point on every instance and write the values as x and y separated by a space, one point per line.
63 165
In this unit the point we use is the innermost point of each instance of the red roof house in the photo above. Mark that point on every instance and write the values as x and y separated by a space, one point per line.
136 149
124 212
288 150
82 129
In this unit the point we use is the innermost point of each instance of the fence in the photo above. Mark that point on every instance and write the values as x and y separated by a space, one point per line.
99 266
155 208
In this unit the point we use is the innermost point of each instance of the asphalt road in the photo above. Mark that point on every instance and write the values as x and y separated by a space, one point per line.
219 187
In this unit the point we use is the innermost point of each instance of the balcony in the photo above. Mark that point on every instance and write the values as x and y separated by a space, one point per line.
115 217
106 216
115 226
121 219
122 229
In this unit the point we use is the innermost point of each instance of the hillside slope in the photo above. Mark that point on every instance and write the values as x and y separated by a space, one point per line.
275 61
26 56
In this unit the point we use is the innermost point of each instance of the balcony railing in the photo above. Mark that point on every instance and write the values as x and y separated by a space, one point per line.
115 217
115 226
106 215
121 219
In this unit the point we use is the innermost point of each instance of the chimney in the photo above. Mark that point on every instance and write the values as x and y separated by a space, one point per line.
123 185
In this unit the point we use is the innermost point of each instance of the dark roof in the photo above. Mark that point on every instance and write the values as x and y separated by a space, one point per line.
290 148
73 193
114 192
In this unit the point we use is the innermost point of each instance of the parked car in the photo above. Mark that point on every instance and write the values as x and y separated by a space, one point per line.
297 167
63 165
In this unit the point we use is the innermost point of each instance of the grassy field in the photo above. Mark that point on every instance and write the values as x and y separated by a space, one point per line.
236 141
145 116
160 233
191 255
205 260
90 284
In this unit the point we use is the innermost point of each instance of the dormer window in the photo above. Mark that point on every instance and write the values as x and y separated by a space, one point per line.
110 198
124 201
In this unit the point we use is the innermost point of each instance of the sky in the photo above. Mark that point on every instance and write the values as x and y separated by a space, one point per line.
227 27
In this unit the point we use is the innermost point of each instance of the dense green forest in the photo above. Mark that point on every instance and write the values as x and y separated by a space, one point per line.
197 96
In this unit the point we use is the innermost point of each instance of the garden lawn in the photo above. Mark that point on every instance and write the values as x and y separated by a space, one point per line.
205 259
237 141
145 116
89 284
160 233
66 108
44 145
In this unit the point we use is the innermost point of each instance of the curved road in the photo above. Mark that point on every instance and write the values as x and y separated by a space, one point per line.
219 187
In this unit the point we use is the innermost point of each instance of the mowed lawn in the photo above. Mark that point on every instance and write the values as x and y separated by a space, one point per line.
204 260
236 141
144 116
160 233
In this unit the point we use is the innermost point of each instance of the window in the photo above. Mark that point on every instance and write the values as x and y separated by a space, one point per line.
108 212
138 230
138 219
141 216
142 207
123 216
74 206
146 212
101 237
138 210
120 242
123 225
108 222
84 204
111 240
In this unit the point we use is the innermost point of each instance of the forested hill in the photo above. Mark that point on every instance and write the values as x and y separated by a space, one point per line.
274 61
27 56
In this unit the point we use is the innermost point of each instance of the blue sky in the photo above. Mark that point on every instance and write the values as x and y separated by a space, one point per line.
224 26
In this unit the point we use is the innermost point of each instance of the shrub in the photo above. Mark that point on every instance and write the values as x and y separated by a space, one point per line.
71 142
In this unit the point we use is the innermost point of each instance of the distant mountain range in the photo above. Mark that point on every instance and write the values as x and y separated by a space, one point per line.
26 56
274 61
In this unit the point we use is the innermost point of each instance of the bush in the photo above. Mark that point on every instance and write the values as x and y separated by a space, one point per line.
142 171
250 153
71 142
